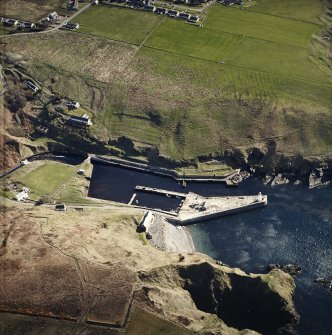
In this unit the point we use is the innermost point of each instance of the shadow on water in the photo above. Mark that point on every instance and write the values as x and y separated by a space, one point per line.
295 227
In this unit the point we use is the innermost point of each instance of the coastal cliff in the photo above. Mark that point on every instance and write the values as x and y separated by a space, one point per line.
212 299
95 271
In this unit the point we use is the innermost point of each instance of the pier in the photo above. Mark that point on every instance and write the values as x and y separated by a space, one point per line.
160 191
196 208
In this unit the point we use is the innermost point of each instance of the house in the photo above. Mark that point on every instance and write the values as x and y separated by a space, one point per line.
60 207
53 16
72 5
81 172
32 86
73 105
173 13
184 16
42 130
161 11
146 222
27 25
80 121
11 22
232 2
23 195
194 2
71 26
193 19
136 3
150 8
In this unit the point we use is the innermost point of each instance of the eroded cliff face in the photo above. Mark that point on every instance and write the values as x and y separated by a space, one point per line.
220 299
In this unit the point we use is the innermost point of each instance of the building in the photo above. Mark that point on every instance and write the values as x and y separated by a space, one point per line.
52 16
73 105
27 25
193 19
232 2
25 162
80 121
150 8
71 26
81 172
60 207
42 130
146 222
173 13
184 16
11 22
32 86
23 195
161 11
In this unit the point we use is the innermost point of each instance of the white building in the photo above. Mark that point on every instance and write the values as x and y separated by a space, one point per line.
73 105
23 195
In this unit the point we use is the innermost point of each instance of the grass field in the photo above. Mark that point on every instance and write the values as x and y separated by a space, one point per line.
117 23
258 25
47 178
174 36
302 10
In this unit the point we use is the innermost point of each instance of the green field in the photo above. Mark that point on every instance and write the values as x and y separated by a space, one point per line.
117 23
302 10
272 58
259 25
174 36
47 178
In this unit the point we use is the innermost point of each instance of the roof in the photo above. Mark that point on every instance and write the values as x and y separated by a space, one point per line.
80 120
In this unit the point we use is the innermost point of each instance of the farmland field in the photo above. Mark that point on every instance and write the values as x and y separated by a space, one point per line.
120 24
189 40
258 25
302 10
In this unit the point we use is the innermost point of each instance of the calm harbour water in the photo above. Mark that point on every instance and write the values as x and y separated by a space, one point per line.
295 227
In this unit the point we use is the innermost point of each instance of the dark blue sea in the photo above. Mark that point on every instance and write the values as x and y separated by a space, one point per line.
295 227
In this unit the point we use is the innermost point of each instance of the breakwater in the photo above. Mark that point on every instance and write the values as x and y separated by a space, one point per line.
160 171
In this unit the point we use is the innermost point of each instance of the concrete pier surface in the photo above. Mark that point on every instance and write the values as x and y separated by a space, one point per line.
196 208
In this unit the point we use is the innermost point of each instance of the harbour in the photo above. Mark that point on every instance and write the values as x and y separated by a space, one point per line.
295 227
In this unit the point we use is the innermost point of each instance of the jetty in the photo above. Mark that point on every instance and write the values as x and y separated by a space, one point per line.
160 191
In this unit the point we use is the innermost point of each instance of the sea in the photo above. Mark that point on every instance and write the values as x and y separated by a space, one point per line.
295 227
